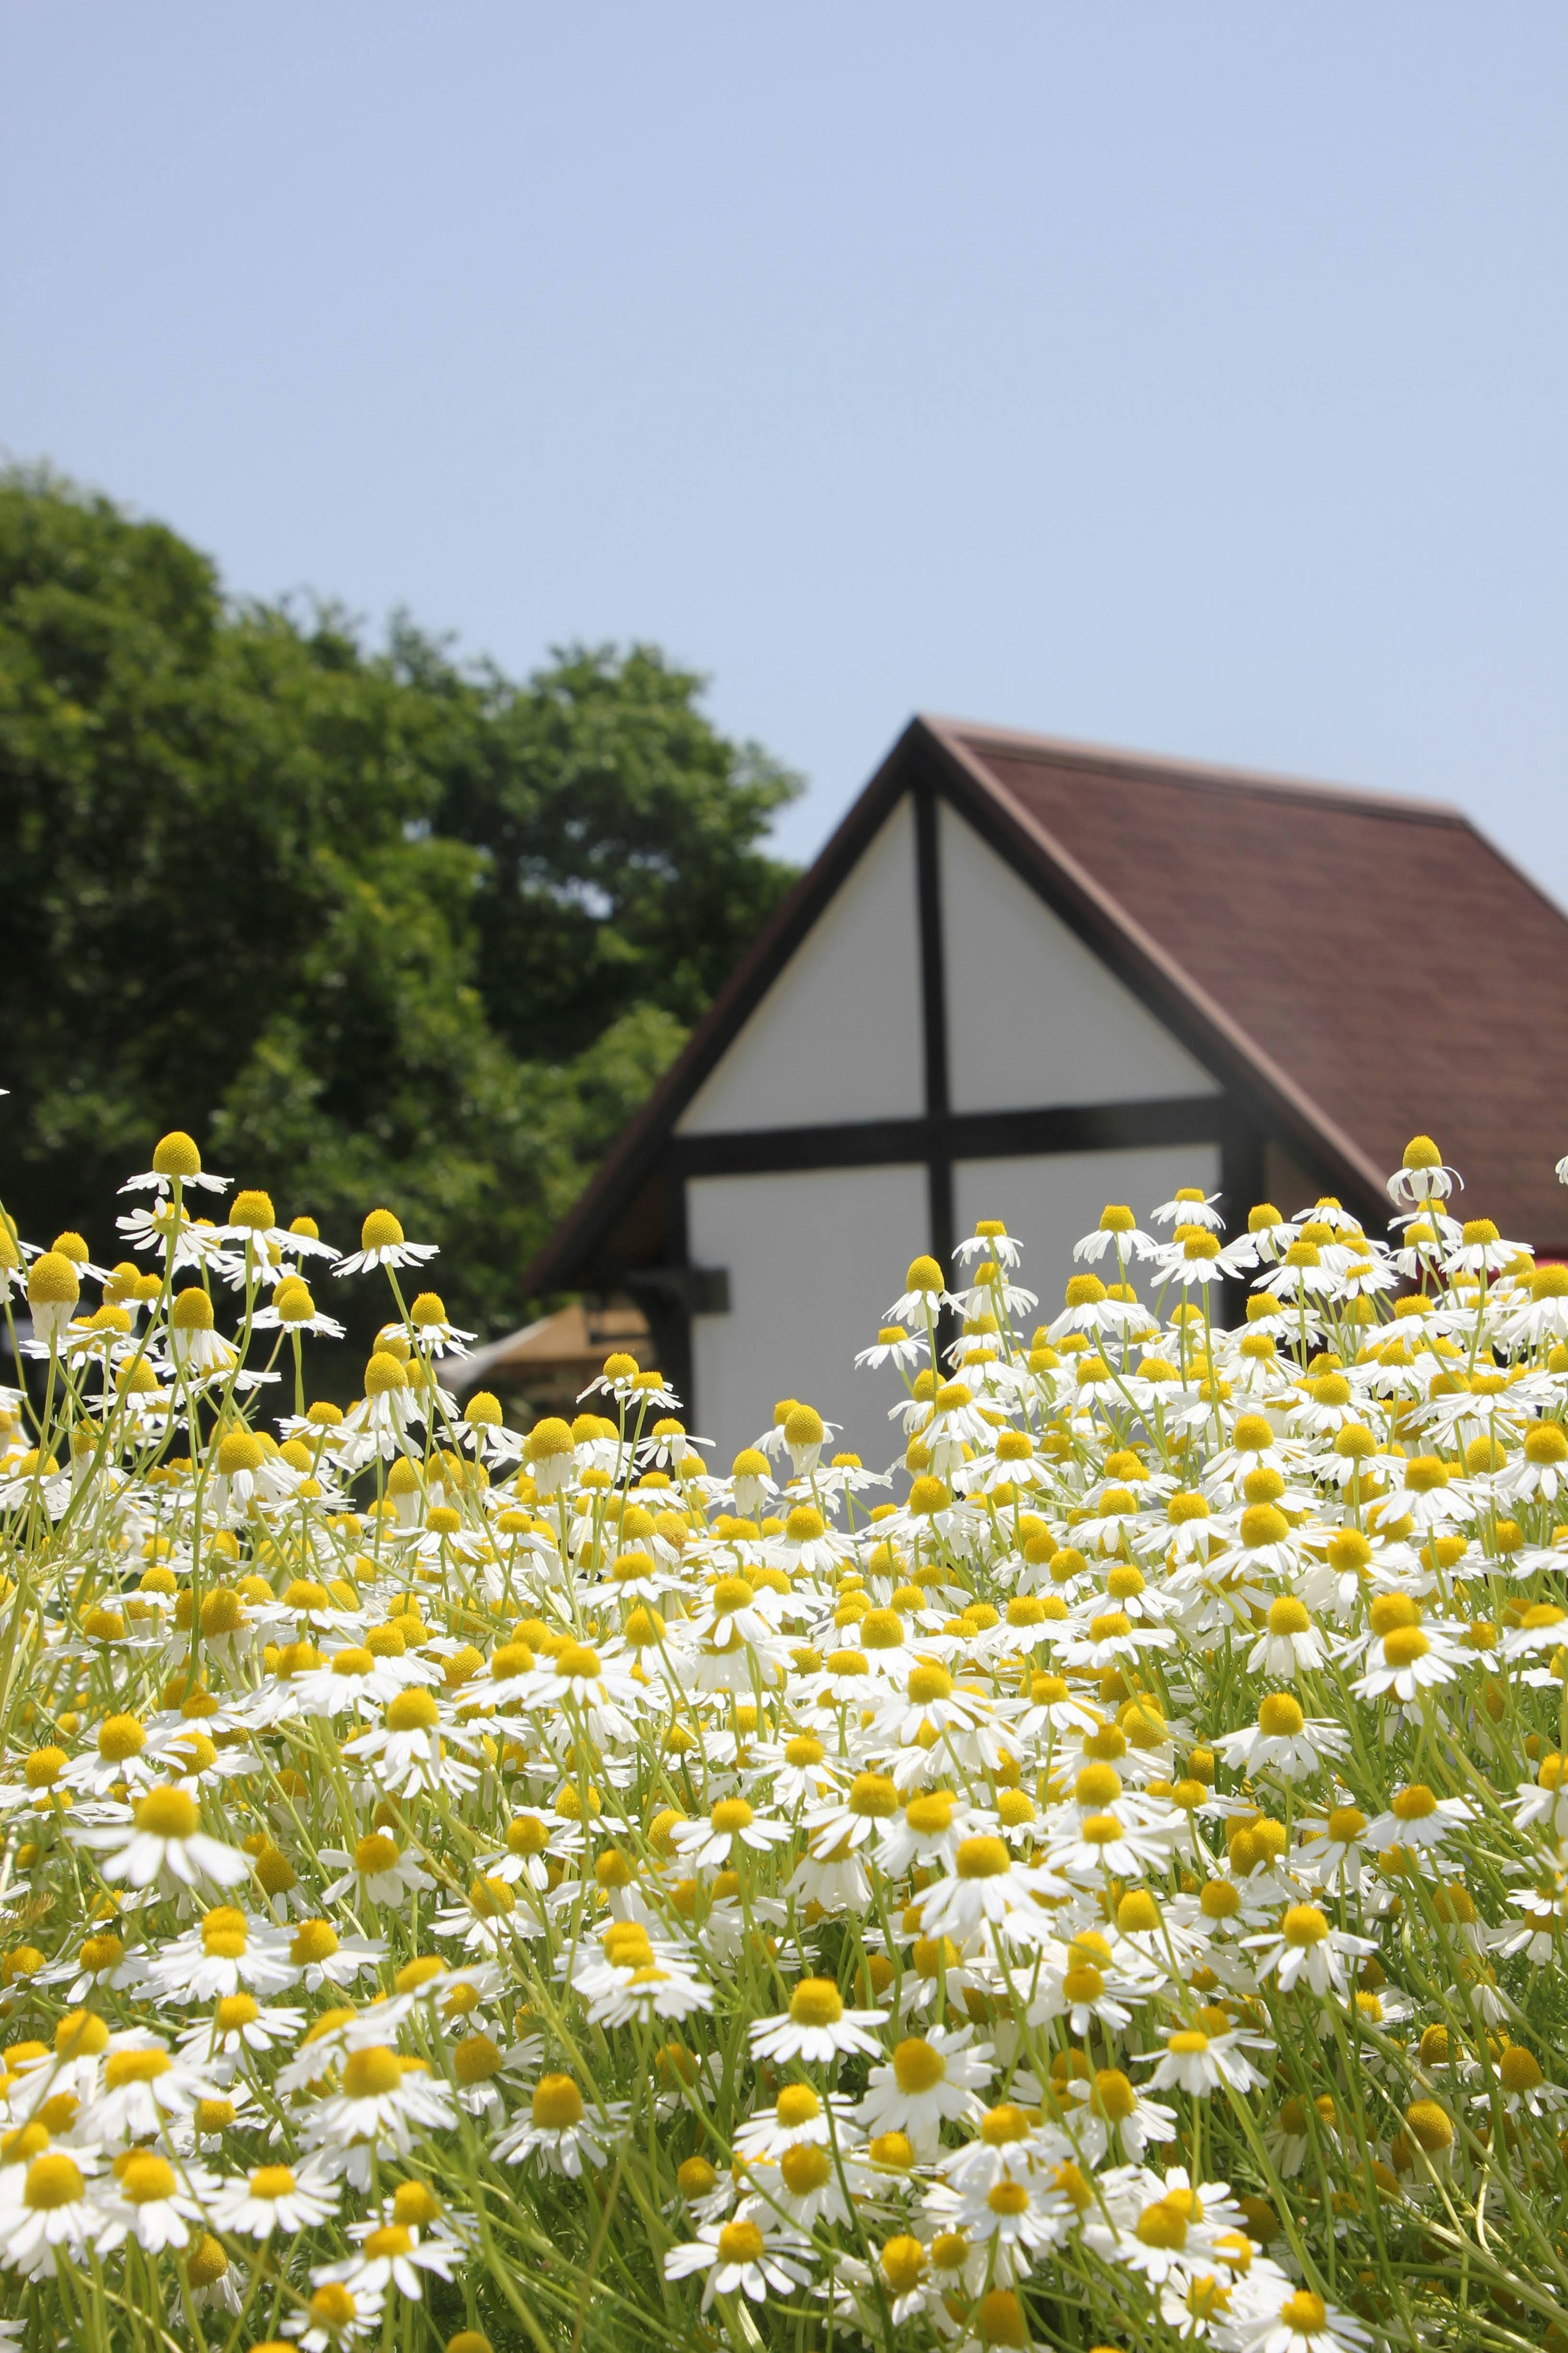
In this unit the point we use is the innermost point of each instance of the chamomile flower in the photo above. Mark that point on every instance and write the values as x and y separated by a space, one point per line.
988 1883
816 2026
333 2317
893 1346
1196 2062
159 1839
1305 1945
391 2254
144 2089
382 1244
1189 1207
1418 1817
273 2198
153 2203
1297 2320
176 1160
732 1822
560 2133
1284 1741
52 2213
744 2257
931 2079
379 1870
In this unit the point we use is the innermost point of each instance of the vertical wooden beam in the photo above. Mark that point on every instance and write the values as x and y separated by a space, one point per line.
933 1011
672 1329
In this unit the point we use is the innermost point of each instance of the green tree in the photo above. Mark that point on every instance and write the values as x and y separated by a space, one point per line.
374 926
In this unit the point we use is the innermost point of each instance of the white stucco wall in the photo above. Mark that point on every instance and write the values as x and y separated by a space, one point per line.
814 1260
838 1035
1034 1019
1048 1201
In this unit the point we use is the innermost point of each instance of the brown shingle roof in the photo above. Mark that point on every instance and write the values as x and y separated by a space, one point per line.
1378 951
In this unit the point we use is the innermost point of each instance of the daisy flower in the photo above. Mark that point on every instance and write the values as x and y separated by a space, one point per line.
1283 1741
1198 2063
559 2132
153 2204
273 2198
990 1884
159 1839
1297 2321
741 2258
1305 1945
932 2079
816 2026
52 2213
1418 1817
381 1243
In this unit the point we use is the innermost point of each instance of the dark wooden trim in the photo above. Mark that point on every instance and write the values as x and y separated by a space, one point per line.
934 964
933 1012
960 1135
668 1312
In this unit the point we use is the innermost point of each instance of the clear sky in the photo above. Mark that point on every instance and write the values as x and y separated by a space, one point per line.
1185 377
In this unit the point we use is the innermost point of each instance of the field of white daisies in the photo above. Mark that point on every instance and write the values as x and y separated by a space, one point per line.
1098 1882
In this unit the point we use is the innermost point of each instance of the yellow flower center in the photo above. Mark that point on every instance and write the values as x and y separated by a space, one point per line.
916 2066
557 2104
371 2074
167 1813
817 2001
740 2243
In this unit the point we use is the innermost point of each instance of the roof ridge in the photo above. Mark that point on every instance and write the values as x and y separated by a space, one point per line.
1204 775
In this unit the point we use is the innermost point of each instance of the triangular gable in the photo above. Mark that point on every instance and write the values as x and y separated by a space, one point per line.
838 1035
1034 1017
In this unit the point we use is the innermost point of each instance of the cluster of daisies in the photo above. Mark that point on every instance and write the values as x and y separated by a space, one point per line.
1097 1880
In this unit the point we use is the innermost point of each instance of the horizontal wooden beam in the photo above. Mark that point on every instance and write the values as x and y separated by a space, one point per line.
955 1135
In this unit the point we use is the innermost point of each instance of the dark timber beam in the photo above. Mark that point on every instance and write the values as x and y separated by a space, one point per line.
938 1140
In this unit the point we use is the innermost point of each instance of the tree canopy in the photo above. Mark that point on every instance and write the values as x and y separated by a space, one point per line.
391 927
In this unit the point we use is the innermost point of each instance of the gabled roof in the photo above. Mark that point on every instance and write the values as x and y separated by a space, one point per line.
1362 966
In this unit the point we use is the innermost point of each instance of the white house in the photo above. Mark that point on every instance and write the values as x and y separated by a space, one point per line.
1027 978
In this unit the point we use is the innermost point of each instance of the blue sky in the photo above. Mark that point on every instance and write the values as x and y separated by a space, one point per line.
1190 377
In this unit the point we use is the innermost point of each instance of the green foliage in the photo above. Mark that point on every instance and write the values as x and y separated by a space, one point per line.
426 933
